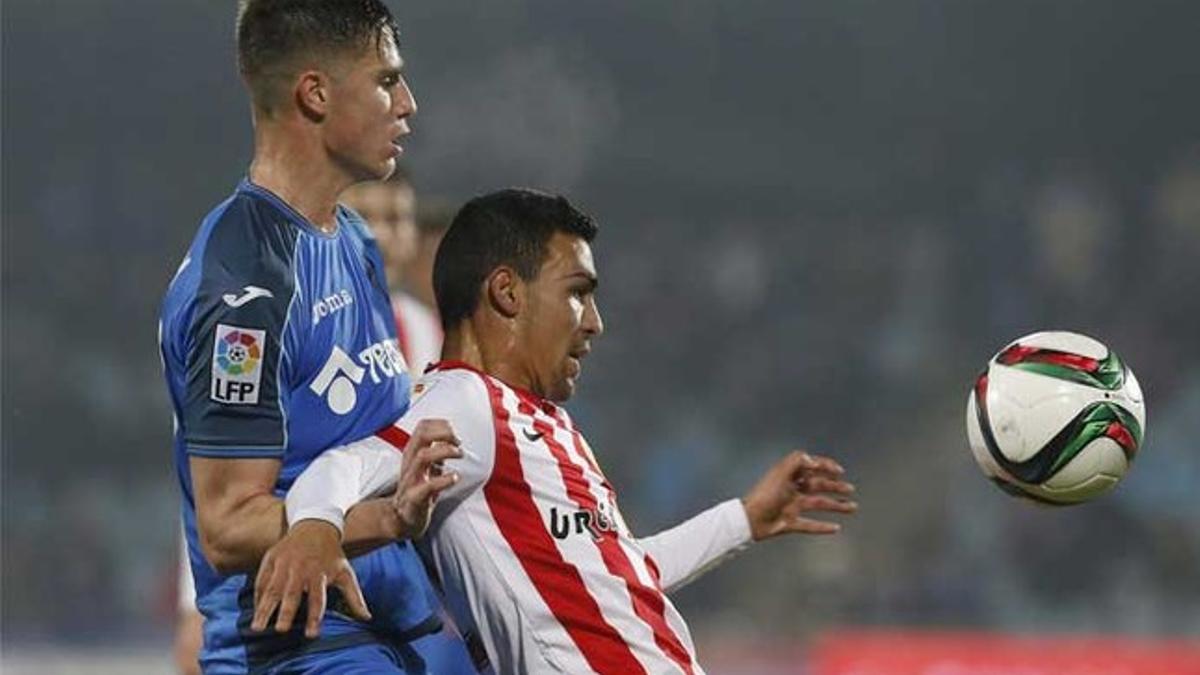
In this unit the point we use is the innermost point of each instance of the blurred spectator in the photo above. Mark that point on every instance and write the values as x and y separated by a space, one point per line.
408 237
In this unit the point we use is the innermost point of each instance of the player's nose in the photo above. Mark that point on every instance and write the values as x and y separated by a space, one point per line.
405 103
593 324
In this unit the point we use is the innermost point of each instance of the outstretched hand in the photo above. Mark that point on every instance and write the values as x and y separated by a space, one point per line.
798 484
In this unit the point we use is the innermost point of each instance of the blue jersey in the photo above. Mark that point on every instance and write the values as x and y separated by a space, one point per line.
278 342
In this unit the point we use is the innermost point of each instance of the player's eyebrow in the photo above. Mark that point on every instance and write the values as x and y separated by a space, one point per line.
391 71
593 282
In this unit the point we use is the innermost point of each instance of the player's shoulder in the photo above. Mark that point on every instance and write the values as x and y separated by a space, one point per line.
459 396
451 391
249 227
240 269
354 223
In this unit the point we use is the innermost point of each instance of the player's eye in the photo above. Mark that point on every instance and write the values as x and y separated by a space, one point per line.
389 81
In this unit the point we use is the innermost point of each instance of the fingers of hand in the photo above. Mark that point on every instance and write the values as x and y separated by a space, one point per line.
799 462
427 492
429 431
316 607
261 580
266 600
427 460
803 461
810 526
826 503
817 483
796 461
432 456
293 593
347 582
828 465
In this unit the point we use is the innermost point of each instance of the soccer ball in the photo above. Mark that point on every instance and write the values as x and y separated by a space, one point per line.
1055 417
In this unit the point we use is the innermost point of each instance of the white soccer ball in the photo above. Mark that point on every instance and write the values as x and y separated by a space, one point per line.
1056 417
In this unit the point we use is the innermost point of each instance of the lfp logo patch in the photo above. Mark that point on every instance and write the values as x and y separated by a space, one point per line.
236 366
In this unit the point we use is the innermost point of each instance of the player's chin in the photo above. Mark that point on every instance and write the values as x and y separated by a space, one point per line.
379 170
562 390
386 160
386 168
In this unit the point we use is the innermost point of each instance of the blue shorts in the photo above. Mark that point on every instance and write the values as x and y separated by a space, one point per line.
441 653
373 657
444 653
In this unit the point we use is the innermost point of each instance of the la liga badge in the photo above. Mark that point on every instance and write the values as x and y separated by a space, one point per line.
237 364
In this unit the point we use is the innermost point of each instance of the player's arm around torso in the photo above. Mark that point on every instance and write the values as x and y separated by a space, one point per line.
534 560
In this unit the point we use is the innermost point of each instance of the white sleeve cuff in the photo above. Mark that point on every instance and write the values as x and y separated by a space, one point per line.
330 514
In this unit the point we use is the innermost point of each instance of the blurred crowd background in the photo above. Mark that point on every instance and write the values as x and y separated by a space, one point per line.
818 220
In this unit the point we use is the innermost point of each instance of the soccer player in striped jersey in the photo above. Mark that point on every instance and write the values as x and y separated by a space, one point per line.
535 558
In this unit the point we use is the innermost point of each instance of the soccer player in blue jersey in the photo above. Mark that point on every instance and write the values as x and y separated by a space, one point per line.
278 343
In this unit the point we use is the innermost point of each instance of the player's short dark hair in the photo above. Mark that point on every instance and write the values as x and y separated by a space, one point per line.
510 227
273 34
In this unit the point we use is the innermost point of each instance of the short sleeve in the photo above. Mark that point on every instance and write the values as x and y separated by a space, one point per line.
234 404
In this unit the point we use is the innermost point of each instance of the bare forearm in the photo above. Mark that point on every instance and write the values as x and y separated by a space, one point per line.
369 525
237 541
244 538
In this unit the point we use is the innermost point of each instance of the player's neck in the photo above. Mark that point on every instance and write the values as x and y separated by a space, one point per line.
495 357
460 345
304 179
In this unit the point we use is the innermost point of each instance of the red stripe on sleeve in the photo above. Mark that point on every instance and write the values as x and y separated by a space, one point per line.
395 436
559 583
648 603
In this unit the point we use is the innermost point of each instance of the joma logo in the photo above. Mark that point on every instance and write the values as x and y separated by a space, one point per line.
328 305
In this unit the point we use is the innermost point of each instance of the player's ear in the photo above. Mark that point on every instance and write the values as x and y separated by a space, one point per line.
503 288
312 94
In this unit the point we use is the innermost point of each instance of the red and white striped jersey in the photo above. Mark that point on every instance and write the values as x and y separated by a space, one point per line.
530 547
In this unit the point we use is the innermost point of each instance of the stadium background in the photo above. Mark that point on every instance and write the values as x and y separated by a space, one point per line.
818 219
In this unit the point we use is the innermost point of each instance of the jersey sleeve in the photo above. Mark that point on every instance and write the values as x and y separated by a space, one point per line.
698 544
234 404
460 397
340 478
